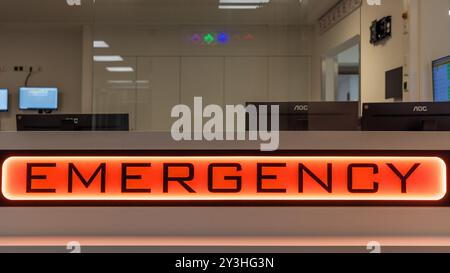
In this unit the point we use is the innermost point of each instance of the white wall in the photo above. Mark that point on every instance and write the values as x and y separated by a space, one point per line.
56 49
273 66
330 43
156 100
109 98
390 54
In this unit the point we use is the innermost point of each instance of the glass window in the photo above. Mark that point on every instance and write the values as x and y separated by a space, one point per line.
143 57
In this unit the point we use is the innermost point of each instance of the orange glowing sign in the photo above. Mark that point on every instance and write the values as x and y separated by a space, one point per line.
224 178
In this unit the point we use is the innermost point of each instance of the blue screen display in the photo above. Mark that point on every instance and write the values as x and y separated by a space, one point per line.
441 80
3 100
38 98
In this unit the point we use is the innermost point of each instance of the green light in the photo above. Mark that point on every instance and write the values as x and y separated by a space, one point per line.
208 38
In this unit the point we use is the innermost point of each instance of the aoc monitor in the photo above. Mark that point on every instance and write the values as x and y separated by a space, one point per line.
427 116
314 116
38 98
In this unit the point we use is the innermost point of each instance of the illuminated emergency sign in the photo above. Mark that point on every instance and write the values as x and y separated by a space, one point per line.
224 178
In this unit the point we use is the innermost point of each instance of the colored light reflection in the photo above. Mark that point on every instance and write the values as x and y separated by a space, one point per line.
220 38
249 37
208 38
196 38
223 38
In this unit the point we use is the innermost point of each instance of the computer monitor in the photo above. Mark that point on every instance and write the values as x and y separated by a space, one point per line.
76 122
394 84
441 80
3 100
406 116
314 116
38 98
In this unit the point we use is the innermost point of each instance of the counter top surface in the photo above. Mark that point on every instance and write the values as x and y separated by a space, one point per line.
164 141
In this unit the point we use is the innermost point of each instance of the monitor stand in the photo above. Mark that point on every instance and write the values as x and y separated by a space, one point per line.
429 125
44 111
68 125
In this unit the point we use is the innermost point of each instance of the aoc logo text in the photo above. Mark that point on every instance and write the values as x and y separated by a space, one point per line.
299 108
420 109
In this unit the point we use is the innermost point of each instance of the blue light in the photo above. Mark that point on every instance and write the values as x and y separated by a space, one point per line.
222 38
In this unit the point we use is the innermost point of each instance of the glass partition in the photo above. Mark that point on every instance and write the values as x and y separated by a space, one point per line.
143 57
168 52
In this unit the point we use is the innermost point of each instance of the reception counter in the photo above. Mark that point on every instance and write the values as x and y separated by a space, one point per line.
208 226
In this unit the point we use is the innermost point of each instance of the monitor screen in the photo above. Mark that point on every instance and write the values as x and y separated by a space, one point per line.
38 98
394 83
406 116
3 100
441 80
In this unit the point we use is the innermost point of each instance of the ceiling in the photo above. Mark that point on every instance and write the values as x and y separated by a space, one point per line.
277 12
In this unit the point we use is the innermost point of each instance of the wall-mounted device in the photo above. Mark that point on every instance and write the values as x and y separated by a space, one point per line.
394 84
38 98
380 30
441 79
3 100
